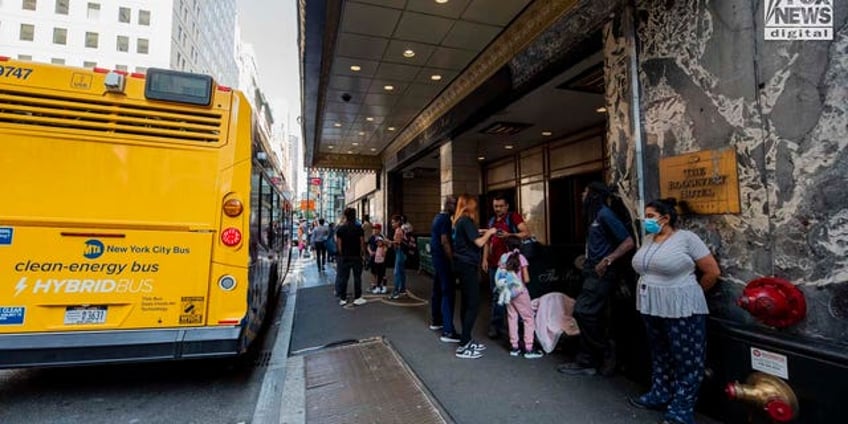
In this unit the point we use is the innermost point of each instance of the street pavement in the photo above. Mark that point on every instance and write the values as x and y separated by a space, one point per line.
496 388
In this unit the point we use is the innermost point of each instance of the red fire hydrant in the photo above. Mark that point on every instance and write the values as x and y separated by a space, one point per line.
773 301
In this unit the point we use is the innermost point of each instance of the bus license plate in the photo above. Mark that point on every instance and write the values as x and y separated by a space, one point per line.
75 315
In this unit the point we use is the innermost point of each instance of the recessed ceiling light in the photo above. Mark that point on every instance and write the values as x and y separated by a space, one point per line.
408 53
355 68
362 133
441 1
601 109
435 77
329 147
350 152
481 158
547 133
391 128
355 143
389 87
508 146
337 124
369 118
373 149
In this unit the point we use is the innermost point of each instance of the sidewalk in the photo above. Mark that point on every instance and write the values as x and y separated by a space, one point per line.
493 389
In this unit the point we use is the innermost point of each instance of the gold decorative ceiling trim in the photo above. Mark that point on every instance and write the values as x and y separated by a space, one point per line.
540 15
346 162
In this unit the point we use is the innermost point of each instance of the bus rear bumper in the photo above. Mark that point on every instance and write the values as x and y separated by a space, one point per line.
100 347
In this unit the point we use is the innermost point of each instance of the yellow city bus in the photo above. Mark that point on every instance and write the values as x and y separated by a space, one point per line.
142 217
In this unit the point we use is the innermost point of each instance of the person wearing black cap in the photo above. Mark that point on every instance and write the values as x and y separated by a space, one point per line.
607 240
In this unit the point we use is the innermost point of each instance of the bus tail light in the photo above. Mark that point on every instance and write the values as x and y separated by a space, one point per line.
229 322
227 283
100 70
137 75
233 208
231 237
224 88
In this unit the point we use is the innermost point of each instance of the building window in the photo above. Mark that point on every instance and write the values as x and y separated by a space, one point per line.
57 61
142 45
60 36
24 57
62 7
88 64
91 39
123 43
93 11
27 32
144 17
28 5
120 67
124 15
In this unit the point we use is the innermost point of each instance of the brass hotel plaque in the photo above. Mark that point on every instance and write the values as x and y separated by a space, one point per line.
707 181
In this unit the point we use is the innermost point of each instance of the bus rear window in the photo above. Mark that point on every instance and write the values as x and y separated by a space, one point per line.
180 87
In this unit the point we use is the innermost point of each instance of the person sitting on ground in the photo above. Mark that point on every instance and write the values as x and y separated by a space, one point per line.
513 273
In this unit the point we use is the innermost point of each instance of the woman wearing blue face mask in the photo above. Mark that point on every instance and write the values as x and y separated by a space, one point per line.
674 309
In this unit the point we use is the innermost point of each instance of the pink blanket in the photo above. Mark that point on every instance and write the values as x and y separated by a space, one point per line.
553 317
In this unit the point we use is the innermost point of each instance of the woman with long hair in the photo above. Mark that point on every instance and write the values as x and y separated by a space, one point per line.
467 254
400 257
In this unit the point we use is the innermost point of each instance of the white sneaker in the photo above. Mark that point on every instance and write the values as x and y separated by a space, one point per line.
375 290
342 302
360 301
435 327
468 354
382 289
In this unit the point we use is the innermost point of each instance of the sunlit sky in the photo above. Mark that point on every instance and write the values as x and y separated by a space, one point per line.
271 27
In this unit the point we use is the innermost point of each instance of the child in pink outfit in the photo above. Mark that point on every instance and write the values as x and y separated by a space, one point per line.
380 266
519 305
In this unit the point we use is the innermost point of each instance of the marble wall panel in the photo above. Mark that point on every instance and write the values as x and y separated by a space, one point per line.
708 80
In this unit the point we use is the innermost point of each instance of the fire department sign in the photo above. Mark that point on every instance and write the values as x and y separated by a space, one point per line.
704 182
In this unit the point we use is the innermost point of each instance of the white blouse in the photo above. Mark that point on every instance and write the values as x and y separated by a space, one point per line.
668 287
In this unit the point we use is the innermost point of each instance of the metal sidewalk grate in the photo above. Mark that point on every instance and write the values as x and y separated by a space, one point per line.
365 383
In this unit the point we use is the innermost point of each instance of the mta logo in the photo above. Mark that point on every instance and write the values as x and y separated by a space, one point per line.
93 249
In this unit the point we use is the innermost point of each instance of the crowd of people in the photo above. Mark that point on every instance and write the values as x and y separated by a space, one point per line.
670 295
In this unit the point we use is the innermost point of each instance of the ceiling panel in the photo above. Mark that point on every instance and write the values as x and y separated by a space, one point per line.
384 100
447 58
397 4
422 28
373 35
379 87
341 66
349 84
345 108
394 53
452 9
425 76
367 19
470 36
398 72
484 11
423 90
360 46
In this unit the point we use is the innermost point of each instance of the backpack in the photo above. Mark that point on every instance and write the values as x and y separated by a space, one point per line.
529 247
409 244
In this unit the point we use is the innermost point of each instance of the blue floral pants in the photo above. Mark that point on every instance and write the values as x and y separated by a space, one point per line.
678 351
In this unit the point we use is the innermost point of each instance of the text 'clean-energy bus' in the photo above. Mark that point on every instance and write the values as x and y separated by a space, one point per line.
142 217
